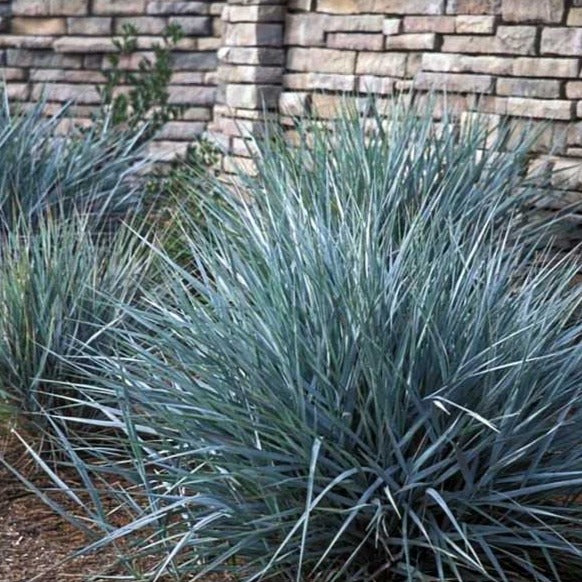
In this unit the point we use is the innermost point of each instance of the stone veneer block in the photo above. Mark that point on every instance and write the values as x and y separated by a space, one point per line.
424 41
355 41
38 26
457 83
513 40
542 88
548 11
167 7
475 6
471 24
562 41
114 7
253 34
540 108
382 6
50 7
435 24
322 60
381 64
91 25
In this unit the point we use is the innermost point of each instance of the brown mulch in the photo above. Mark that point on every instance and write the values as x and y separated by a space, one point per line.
36 544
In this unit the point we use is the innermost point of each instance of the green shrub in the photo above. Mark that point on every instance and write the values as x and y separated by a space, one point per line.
146 99
377 376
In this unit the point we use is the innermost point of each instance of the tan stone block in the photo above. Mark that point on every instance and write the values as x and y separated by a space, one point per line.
208 43
84 44
381 6
550 11
411 42
540 108
579 109
474 7
181 130
474 24
373 84
143 24
319 81
518 40
294 104
299 5
252 96
50 7
545 67
354 23
391 26
188 78
183 7
562 41
305 29
545 89
114 7
456 63
567 175
413 64
548 137
491 104
256 13
40 26
165 151
328 106
60 92
90 25
575 17
17 91
355 41
437 24
575 134
250 74
381 64
249 34
193 25
26 41
456 83
322 60
13 74
574 90
404 85
244 147
197 114
58 75
192 95
239 165
251 56
44 59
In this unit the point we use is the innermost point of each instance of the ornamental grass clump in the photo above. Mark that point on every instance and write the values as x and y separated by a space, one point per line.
373 373
50 165
58 280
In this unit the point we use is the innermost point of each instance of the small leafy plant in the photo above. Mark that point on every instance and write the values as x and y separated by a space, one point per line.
146 95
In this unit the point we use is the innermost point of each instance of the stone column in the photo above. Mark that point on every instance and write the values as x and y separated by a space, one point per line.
250 75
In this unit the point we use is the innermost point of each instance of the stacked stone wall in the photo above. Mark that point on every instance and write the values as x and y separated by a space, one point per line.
59 48
519 59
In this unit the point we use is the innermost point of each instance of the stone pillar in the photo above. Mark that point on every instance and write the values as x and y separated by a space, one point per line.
250 75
